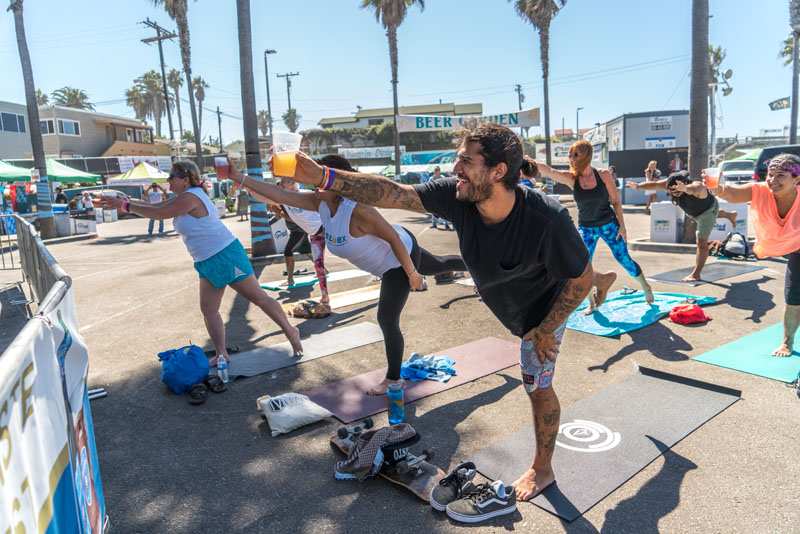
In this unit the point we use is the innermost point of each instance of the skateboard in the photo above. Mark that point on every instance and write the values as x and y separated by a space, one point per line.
400 466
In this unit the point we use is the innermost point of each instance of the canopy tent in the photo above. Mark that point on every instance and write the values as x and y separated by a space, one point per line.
750 155
10 173
58 172
142 172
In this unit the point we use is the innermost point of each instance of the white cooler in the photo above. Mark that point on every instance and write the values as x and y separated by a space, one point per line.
109 215
98 215
666 222
280 234
83 226
723 226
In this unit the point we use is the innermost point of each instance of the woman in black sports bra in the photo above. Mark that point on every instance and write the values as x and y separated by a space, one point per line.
599 208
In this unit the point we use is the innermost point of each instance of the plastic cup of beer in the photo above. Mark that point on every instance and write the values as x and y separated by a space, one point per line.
222 168
285 146
711 177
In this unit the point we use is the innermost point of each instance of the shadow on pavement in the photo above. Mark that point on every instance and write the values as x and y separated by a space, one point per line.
659 340
749 296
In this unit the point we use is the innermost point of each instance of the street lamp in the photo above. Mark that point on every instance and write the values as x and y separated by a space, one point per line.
266 76
577 122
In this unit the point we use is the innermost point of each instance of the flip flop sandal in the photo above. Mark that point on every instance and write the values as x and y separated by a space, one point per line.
215 384
198 394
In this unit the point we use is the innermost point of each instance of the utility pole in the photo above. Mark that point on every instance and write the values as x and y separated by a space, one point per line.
267 52
288 77
219 128
577 122
520 100
161 35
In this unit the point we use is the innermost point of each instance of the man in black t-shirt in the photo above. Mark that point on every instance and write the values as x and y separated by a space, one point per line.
528 261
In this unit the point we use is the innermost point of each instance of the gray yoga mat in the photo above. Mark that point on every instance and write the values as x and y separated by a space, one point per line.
263 360
605 439
713 272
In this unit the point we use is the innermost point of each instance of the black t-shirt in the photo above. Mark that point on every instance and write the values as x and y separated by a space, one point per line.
519 265
61 198
694 206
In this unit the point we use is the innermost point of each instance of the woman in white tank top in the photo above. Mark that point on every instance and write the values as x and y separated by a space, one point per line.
359 234
219 257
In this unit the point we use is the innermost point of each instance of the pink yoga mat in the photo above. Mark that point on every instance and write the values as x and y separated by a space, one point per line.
347 401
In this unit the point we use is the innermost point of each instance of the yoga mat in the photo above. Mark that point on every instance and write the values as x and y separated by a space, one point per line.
719 270
263 360
752 354
356 296
605 439
623 312
311 279
347 400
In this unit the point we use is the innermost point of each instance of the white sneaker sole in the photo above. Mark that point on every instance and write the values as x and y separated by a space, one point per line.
455 516
435 505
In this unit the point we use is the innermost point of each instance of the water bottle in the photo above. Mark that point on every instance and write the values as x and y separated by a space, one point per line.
397 407
222 368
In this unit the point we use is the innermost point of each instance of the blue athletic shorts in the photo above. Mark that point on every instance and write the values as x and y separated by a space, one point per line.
228 266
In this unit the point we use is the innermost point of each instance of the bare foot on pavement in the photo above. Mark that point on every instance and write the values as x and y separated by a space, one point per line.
530 484
294 338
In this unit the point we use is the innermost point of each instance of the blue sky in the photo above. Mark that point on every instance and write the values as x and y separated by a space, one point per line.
609 57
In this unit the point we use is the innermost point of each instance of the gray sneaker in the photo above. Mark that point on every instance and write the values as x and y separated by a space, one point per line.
483 502
450 488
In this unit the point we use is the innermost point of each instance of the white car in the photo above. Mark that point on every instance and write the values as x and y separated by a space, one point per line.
737 170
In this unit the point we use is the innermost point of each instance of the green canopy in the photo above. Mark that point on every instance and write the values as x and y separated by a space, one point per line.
750 155
58 172
10 173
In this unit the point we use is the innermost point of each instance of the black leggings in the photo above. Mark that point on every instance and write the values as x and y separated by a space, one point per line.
295 241
791 288
394 294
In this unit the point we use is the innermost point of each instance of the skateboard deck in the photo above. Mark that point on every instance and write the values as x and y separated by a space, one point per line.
410 470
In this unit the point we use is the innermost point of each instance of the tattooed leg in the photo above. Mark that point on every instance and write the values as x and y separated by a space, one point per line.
546 419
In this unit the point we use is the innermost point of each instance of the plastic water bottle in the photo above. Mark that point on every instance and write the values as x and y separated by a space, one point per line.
397 407
222 368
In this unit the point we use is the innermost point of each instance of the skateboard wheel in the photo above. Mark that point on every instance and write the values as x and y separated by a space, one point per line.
368 423
428 454
402 467
342 433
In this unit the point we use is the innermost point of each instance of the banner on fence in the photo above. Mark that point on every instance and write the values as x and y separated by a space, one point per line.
430 123
49 470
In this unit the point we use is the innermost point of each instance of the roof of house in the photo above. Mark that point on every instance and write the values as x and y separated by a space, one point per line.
99 117
429 109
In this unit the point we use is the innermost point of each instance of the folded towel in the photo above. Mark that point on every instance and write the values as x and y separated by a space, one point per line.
439 368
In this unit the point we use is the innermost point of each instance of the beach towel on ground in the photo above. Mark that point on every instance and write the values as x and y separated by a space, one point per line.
418 367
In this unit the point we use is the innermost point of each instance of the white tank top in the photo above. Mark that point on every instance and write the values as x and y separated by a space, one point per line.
368 253
203 236
308 220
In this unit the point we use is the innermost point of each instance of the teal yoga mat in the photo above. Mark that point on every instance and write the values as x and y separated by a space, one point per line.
752 354
624 312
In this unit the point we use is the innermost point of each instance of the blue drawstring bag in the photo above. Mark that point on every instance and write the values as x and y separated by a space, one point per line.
182 368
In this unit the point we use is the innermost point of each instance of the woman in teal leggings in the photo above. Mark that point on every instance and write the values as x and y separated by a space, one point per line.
599 209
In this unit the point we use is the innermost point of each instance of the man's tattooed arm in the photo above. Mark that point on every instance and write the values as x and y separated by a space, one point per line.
570 298
376 191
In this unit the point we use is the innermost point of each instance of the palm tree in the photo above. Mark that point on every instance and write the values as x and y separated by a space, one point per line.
44 212
540 13
72 97
262 241
135 98
150 85
41 98
698 100
391 13
787 48
263 122
794 22
292 120
199 85
175 82
178 11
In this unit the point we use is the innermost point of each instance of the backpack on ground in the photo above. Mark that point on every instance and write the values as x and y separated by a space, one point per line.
735 246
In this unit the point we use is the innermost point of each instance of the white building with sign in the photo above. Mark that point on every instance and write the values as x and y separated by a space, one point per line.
640 131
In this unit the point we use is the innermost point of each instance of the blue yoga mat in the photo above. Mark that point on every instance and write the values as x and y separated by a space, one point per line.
624 312
753 354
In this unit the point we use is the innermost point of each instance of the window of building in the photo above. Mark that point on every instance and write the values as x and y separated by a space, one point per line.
69 127
374 122
47 127
129 134
11 122
138 136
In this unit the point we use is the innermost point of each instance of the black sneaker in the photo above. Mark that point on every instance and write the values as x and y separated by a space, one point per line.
483 502
449 488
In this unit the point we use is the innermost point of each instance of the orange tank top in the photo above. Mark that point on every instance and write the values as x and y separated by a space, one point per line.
775 236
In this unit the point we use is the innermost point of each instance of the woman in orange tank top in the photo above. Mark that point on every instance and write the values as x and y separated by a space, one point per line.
775 206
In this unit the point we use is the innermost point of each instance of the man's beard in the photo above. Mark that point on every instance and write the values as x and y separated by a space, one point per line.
475 192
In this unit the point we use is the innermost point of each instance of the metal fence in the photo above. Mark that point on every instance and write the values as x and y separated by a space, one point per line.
39 267
9 254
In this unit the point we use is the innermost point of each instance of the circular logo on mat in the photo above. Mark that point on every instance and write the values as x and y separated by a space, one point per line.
587 436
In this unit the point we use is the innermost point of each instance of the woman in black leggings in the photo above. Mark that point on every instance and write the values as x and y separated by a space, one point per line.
361 235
